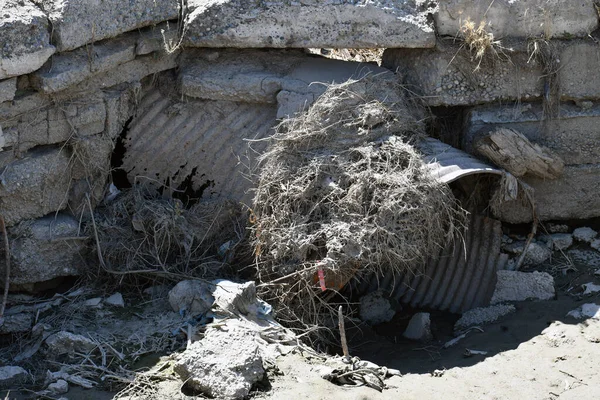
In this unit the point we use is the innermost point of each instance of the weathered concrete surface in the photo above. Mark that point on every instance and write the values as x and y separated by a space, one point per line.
223 366
32 121
483 315
35 185
69 68
24 38
8 87
585 234
521 18
64 342
419 327
78 22
191 297
45 249
17 323
573 196
573 135
448 75
519 286
292 79
11 377
157 38
308 23
375 308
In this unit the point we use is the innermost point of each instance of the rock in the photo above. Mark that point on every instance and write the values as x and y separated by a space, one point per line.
238 298
590 288
419 328
24 38
375 309
64 342
512 151
307 24
192 297
70 68
483 315
116 300
59 387
8 87
588 310
45 249
557 228
78 22
520 286
11 377
536 254
595 244
561 241
93 303
585 234
520 18
223 365
17 323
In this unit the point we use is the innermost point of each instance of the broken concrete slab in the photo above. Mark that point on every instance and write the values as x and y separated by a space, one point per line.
115 300
223 366
520 286
159 37
8 87
588 310
572 134
561 241
191 297
35 185
573 196
306 24
375 309
64 342
16 323
69 68
11 377
519 18
24 38
419 328
45 249
78 22
237 298
483 315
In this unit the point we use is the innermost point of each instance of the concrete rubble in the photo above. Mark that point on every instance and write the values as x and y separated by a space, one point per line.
520 286
191 297
483 315
11 376
65 343
419 328
375 308
585 234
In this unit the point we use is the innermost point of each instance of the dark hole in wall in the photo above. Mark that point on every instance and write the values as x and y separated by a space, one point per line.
186 191
118 174
446 124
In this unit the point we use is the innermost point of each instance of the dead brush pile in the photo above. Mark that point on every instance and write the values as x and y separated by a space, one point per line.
342 194
142 233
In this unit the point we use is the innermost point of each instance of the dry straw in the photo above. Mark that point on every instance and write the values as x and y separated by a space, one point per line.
343 191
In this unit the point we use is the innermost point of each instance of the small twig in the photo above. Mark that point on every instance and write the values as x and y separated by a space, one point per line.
343 334
98 248
7 277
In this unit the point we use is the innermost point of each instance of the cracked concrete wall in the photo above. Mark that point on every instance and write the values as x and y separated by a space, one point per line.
196 83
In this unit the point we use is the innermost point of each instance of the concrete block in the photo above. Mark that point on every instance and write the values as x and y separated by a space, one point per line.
519 18
8 87
35 185
157 38
520 286
45 249
573 135
70 68
24 38
449 76
573 196
78 22
308 23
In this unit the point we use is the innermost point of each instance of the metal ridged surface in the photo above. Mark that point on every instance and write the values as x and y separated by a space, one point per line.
459 278
169 139
448 164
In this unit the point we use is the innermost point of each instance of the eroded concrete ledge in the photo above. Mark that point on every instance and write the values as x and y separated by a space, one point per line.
308 23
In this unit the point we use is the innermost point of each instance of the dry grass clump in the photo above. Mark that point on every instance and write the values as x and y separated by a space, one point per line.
342 190
140 232
479 41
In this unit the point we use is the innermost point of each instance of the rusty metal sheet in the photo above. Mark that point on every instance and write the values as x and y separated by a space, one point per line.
448 164
206 142
459 278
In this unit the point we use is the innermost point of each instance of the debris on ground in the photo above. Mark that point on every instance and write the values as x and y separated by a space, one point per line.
419 328
561 241
356 372
590 288
191 297
483 315
375 309
585 234
520 286
115 300
64 342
